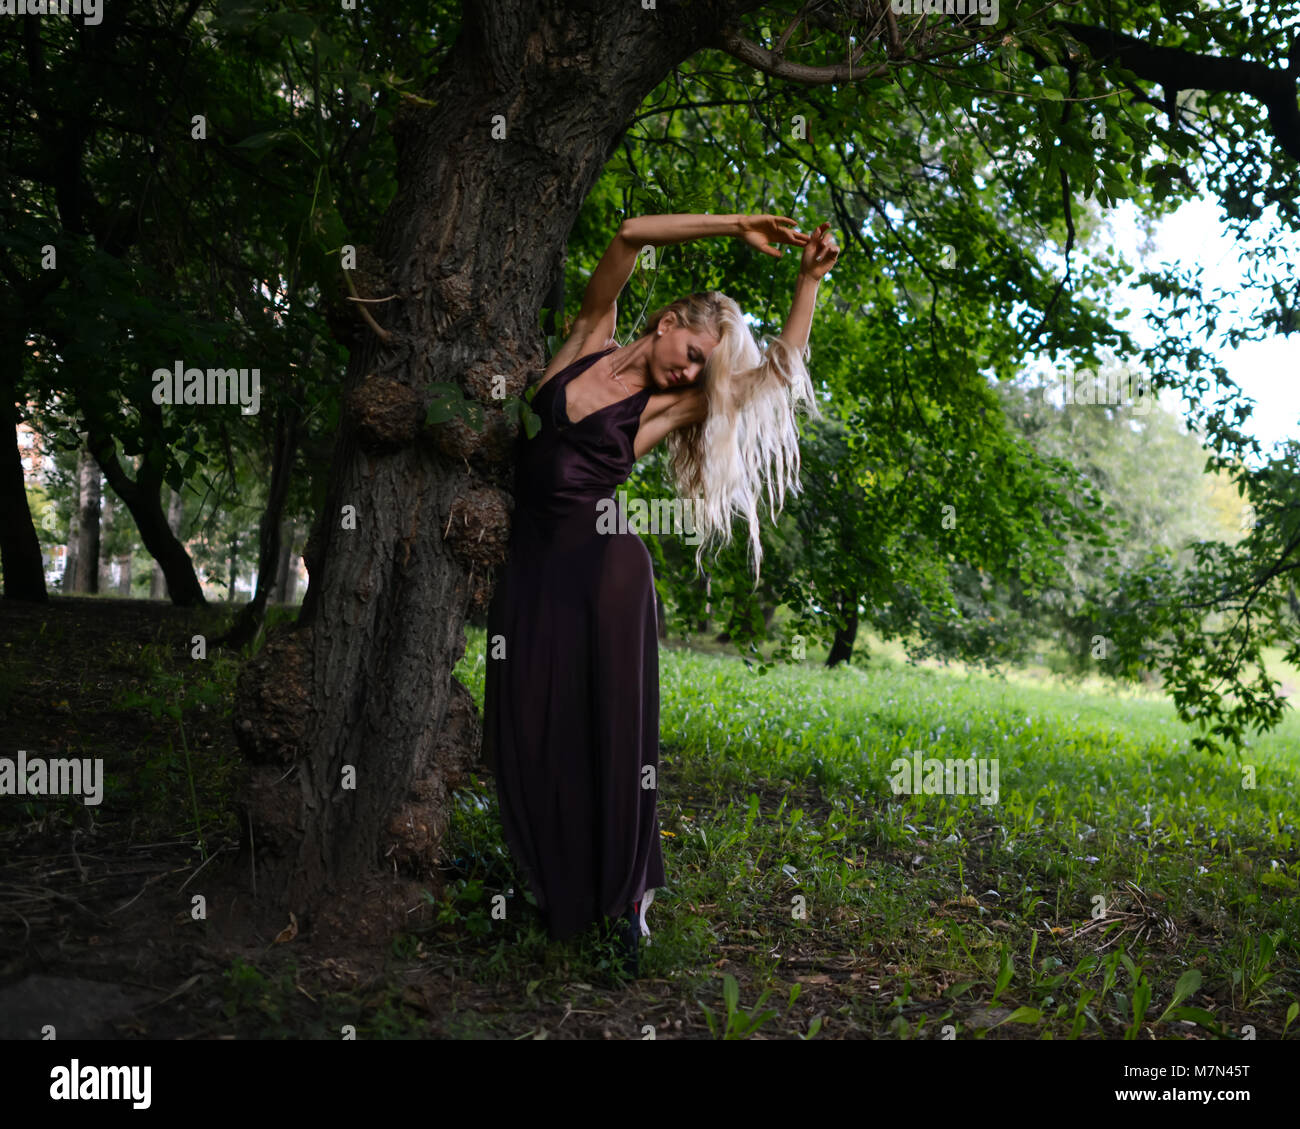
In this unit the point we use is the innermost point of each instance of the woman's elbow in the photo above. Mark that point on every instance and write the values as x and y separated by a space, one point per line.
631 231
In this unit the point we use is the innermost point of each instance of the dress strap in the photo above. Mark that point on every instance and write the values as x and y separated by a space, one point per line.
574 367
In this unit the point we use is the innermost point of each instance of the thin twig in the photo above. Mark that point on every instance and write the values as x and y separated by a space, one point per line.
383 334
200 867
81 870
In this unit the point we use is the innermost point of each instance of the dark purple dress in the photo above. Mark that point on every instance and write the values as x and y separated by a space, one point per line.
571 703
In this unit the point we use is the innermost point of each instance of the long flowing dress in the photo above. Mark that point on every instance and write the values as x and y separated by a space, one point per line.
571 703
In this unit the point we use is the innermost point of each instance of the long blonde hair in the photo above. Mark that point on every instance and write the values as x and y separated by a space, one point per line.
749 435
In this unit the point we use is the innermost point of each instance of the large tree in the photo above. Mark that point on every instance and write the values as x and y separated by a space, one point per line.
356 727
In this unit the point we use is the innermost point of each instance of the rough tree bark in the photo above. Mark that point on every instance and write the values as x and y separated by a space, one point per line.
249 621
20 548
470 246
125 564
175 511
285 577
104 565
85 576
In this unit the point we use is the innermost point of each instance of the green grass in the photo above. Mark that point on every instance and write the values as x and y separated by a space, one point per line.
1122 886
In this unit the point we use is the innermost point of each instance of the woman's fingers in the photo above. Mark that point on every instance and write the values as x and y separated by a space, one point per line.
784 234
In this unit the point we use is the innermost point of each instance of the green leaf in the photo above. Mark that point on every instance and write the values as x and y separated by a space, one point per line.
265 139
1023 1015
1188 983
440 411
471 411
1199 1016
448 403
730 993
1005 972
708 1018
532 422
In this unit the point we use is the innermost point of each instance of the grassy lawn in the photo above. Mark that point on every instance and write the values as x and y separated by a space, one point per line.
1121 886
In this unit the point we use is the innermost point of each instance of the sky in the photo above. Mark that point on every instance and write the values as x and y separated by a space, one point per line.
1267 371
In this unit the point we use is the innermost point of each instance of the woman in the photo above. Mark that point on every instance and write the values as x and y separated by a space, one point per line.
571 710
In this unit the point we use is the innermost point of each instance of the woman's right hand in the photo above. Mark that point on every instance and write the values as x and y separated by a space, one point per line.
820 252
762 229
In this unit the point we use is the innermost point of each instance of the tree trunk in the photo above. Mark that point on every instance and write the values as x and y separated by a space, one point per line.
233 561
69 582
175 515
124 576
250 618
704 585
359 698
104 566
846 633
89 506
286 575
142 497
20 548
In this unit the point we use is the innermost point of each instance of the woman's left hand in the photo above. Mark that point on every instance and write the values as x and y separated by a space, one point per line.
819 253
760 230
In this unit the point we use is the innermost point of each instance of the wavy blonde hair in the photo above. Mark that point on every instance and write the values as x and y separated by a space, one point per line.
749 437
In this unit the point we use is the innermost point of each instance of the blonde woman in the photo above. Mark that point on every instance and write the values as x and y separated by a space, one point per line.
571 711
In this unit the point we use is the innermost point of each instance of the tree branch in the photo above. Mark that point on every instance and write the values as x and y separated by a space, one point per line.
1174 68
751 54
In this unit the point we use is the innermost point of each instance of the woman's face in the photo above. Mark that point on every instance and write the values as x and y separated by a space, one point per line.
678 354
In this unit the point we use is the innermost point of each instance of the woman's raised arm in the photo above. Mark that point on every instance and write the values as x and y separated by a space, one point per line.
819 255
616 265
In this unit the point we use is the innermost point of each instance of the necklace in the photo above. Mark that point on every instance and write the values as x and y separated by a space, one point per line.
615 376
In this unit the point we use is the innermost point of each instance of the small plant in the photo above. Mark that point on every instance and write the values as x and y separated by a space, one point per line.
1252 972
245 988
1006 969
740 1024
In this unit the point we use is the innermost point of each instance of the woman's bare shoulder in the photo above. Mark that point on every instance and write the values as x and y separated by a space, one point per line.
581 343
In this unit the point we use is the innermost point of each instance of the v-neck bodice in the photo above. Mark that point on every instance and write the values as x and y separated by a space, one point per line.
563 470
570 374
